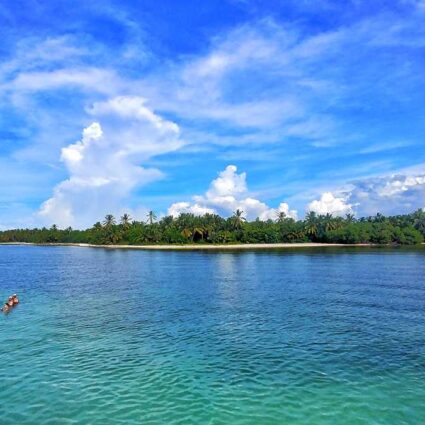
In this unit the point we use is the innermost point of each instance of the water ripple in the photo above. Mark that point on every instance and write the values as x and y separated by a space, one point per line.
107 337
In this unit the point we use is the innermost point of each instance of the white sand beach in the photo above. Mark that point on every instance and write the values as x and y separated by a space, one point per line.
191 247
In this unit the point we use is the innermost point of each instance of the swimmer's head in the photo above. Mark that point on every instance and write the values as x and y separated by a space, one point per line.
10 298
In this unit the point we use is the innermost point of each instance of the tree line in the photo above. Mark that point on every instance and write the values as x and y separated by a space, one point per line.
408 229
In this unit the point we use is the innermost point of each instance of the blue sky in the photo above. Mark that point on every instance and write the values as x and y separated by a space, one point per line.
183 106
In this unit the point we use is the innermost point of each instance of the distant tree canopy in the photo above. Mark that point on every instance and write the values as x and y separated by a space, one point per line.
406 229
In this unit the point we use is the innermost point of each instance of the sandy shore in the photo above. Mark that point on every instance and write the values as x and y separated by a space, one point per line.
256 246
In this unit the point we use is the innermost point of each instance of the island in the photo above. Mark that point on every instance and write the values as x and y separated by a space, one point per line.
210 231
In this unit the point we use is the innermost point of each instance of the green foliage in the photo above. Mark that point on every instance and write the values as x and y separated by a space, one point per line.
406 229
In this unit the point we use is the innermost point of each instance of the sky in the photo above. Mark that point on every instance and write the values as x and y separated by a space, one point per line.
183 106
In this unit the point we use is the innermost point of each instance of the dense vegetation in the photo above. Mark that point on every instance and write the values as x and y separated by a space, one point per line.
187 228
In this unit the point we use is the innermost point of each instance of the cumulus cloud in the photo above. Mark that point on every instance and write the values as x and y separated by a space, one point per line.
227 193
261 82
395 194
330 204
389 195
186 207
104 166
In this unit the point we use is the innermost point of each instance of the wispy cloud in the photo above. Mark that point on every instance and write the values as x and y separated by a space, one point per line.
312 107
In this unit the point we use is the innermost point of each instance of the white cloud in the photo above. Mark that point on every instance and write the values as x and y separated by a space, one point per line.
228 183
398 184
186 207
272 79
389 195
330 204
227 193
251 78
395 194
92 79
32 53
259 83
104 166
133 107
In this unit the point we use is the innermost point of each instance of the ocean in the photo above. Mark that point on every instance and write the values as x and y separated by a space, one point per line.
306 336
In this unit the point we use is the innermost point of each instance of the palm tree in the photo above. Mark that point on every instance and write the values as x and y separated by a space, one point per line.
112 236
125 220
311 217
295 234
151 217
281 216
311 223
109 220
349 218
54 227
311 229
97 225
379 218
419 220
186 233
330 223
198 231
208 230
238 219
167 220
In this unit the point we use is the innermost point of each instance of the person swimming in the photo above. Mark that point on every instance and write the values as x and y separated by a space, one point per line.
5 308
15 299
10 302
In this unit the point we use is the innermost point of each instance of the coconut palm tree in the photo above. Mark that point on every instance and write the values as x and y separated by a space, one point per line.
208 230
379 218
329 222
109 220
311 229
238 219
295 234
198 231
419 220
97 225
167 220
281 216
349 218
311 223
311 217
186 233
125 220
151 217
112 236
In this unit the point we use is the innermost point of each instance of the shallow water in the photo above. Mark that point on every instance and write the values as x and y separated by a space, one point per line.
323 336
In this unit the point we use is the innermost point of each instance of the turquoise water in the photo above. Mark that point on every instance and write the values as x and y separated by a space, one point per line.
137 337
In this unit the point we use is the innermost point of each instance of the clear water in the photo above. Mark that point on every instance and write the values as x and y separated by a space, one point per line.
137 337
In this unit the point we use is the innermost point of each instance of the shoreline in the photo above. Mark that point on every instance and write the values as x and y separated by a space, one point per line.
196 247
